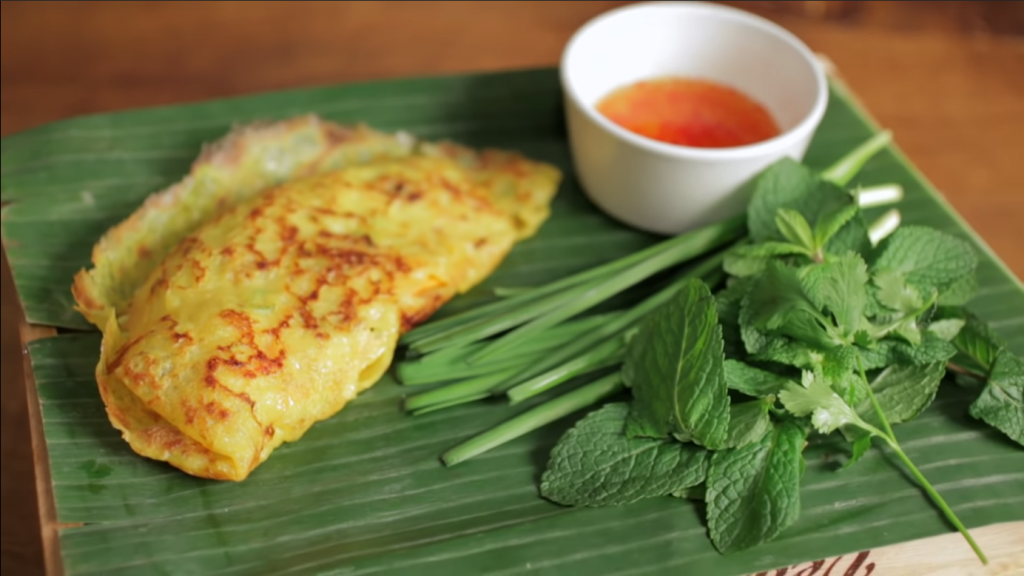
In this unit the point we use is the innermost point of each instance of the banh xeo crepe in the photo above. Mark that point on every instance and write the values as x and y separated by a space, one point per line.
265 290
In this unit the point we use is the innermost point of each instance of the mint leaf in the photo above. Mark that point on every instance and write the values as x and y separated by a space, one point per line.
888 352
1001 404
839 286
838 362
729 299
816 398
789 352
931 349
727 303
794 227
752 381
928 259
595 464
959 292
791 185
852 237
748 422
751 259
674 366
743 265
832 221
777 302
770 249
977 344
879 355
756 341
784 184
903 392
753 493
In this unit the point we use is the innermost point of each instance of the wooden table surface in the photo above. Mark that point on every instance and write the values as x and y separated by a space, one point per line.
947 78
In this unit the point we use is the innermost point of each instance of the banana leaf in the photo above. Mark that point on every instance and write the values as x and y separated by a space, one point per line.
364 492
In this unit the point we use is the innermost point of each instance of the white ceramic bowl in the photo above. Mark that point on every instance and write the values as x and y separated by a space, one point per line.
667 188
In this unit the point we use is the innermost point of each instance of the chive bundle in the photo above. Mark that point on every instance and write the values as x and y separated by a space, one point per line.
545 337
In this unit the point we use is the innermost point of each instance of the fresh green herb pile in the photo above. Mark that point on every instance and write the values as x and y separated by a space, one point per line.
809 323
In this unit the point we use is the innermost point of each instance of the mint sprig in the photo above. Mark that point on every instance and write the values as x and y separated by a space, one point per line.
674 368
810 307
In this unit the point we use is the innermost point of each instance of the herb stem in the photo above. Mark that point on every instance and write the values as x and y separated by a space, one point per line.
961 370
885 225
881 195
936 498
534 418
889 435
890 438
847 167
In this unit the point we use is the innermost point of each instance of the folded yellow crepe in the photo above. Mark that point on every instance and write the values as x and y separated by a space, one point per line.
264 291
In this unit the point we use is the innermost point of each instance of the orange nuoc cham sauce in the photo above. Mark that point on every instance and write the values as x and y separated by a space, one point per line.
689 112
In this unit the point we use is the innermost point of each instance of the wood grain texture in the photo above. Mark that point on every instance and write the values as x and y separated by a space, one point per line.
20 544
49 538
945 77
945 555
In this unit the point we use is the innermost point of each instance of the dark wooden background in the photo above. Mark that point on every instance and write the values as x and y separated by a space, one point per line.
946 77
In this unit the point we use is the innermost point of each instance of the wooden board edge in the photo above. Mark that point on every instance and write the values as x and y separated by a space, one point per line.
53 563
942 555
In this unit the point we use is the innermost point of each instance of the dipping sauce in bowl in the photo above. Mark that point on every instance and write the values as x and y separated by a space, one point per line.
642 176
689 112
